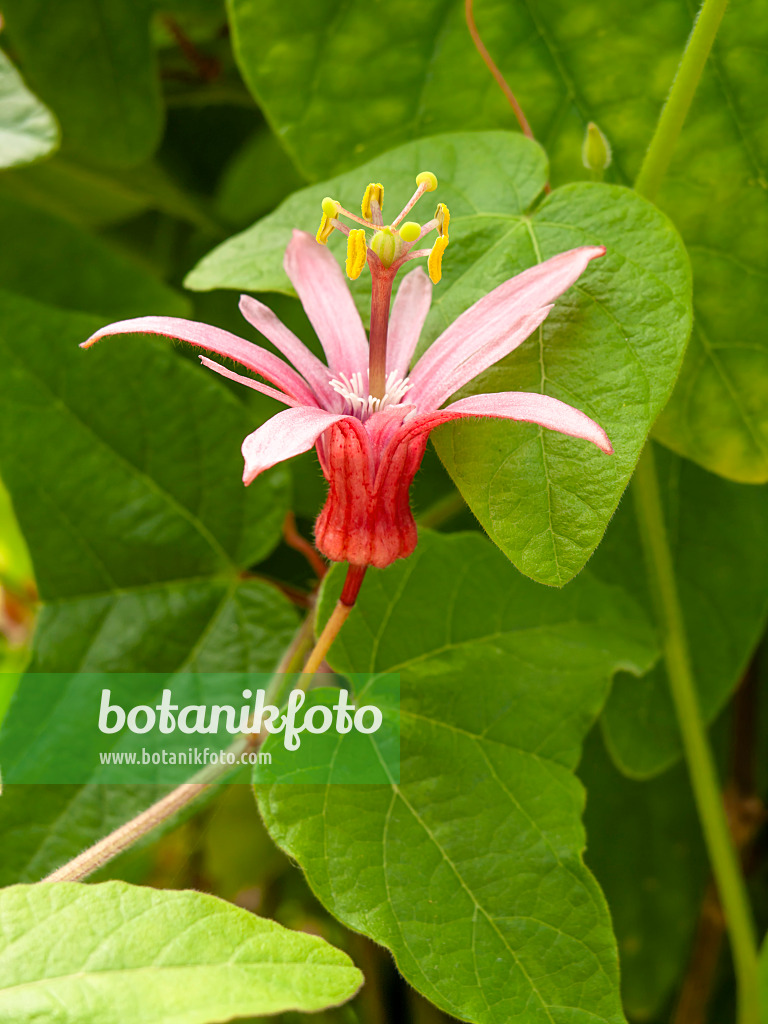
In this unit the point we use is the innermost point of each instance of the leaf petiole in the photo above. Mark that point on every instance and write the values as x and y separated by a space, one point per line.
698 755
675 111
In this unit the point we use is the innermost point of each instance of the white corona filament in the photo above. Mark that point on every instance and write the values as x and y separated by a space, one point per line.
363 405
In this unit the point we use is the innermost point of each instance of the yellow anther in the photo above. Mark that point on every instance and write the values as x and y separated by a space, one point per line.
435 261
325 230
356 253
330 207
410 231
443 217
374 191
427 178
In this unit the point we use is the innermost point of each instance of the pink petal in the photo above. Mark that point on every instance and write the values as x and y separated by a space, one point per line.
432 393
406 321
215 340
494 317
289 433
309 366
327 301
249 382
524 406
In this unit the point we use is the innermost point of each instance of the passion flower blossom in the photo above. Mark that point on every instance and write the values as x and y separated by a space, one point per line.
367 409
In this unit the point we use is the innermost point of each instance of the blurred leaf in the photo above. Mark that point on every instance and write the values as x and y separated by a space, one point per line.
256 180
193 8
15 564
70 191
612 346
28 130
16 574
139 548
311 67
237 851
645 847
464 868
718 531
94 66
150 956
92 196
13 661
45 826
54 262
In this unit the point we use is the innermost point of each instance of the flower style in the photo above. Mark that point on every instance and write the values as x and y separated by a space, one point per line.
368 411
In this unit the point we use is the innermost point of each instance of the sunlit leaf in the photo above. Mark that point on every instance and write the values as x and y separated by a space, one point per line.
110 953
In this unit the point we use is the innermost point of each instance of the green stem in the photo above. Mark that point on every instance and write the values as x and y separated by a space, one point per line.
701 765
681 95
650 514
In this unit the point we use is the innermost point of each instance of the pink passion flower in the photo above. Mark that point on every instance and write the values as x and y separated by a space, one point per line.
369 408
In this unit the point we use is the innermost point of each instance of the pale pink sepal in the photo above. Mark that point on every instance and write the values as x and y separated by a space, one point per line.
493 317
213 339
309 366
432 393
327 301
409 312
289 433
524 406
249 382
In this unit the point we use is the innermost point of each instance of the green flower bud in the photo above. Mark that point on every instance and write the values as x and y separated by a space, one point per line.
596 151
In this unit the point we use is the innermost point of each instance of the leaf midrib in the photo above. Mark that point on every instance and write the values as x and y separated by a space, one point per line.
157 968
397 792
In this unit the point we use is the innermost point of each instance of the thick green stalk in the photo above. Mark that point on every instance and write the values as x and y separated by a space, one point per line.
650 514
698 755
681 95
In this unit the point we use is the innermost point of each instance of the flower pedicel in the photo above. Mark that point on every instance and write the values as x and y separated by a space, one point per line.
368 410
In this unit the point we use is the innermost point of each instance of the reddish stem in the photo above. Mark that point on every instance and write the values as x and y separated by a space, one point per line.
501 81
352 584
208 68
339 615
381 296
522 120
295 540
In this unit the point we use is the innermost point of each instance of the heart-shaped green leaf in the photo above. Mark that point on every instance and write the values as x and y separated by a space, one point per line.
112 953
124 468
607 62
94 66
28 130
611 347
463 869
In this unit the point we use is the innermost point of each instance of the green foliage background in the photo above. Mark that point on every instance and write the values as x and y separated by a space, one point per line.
540 859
